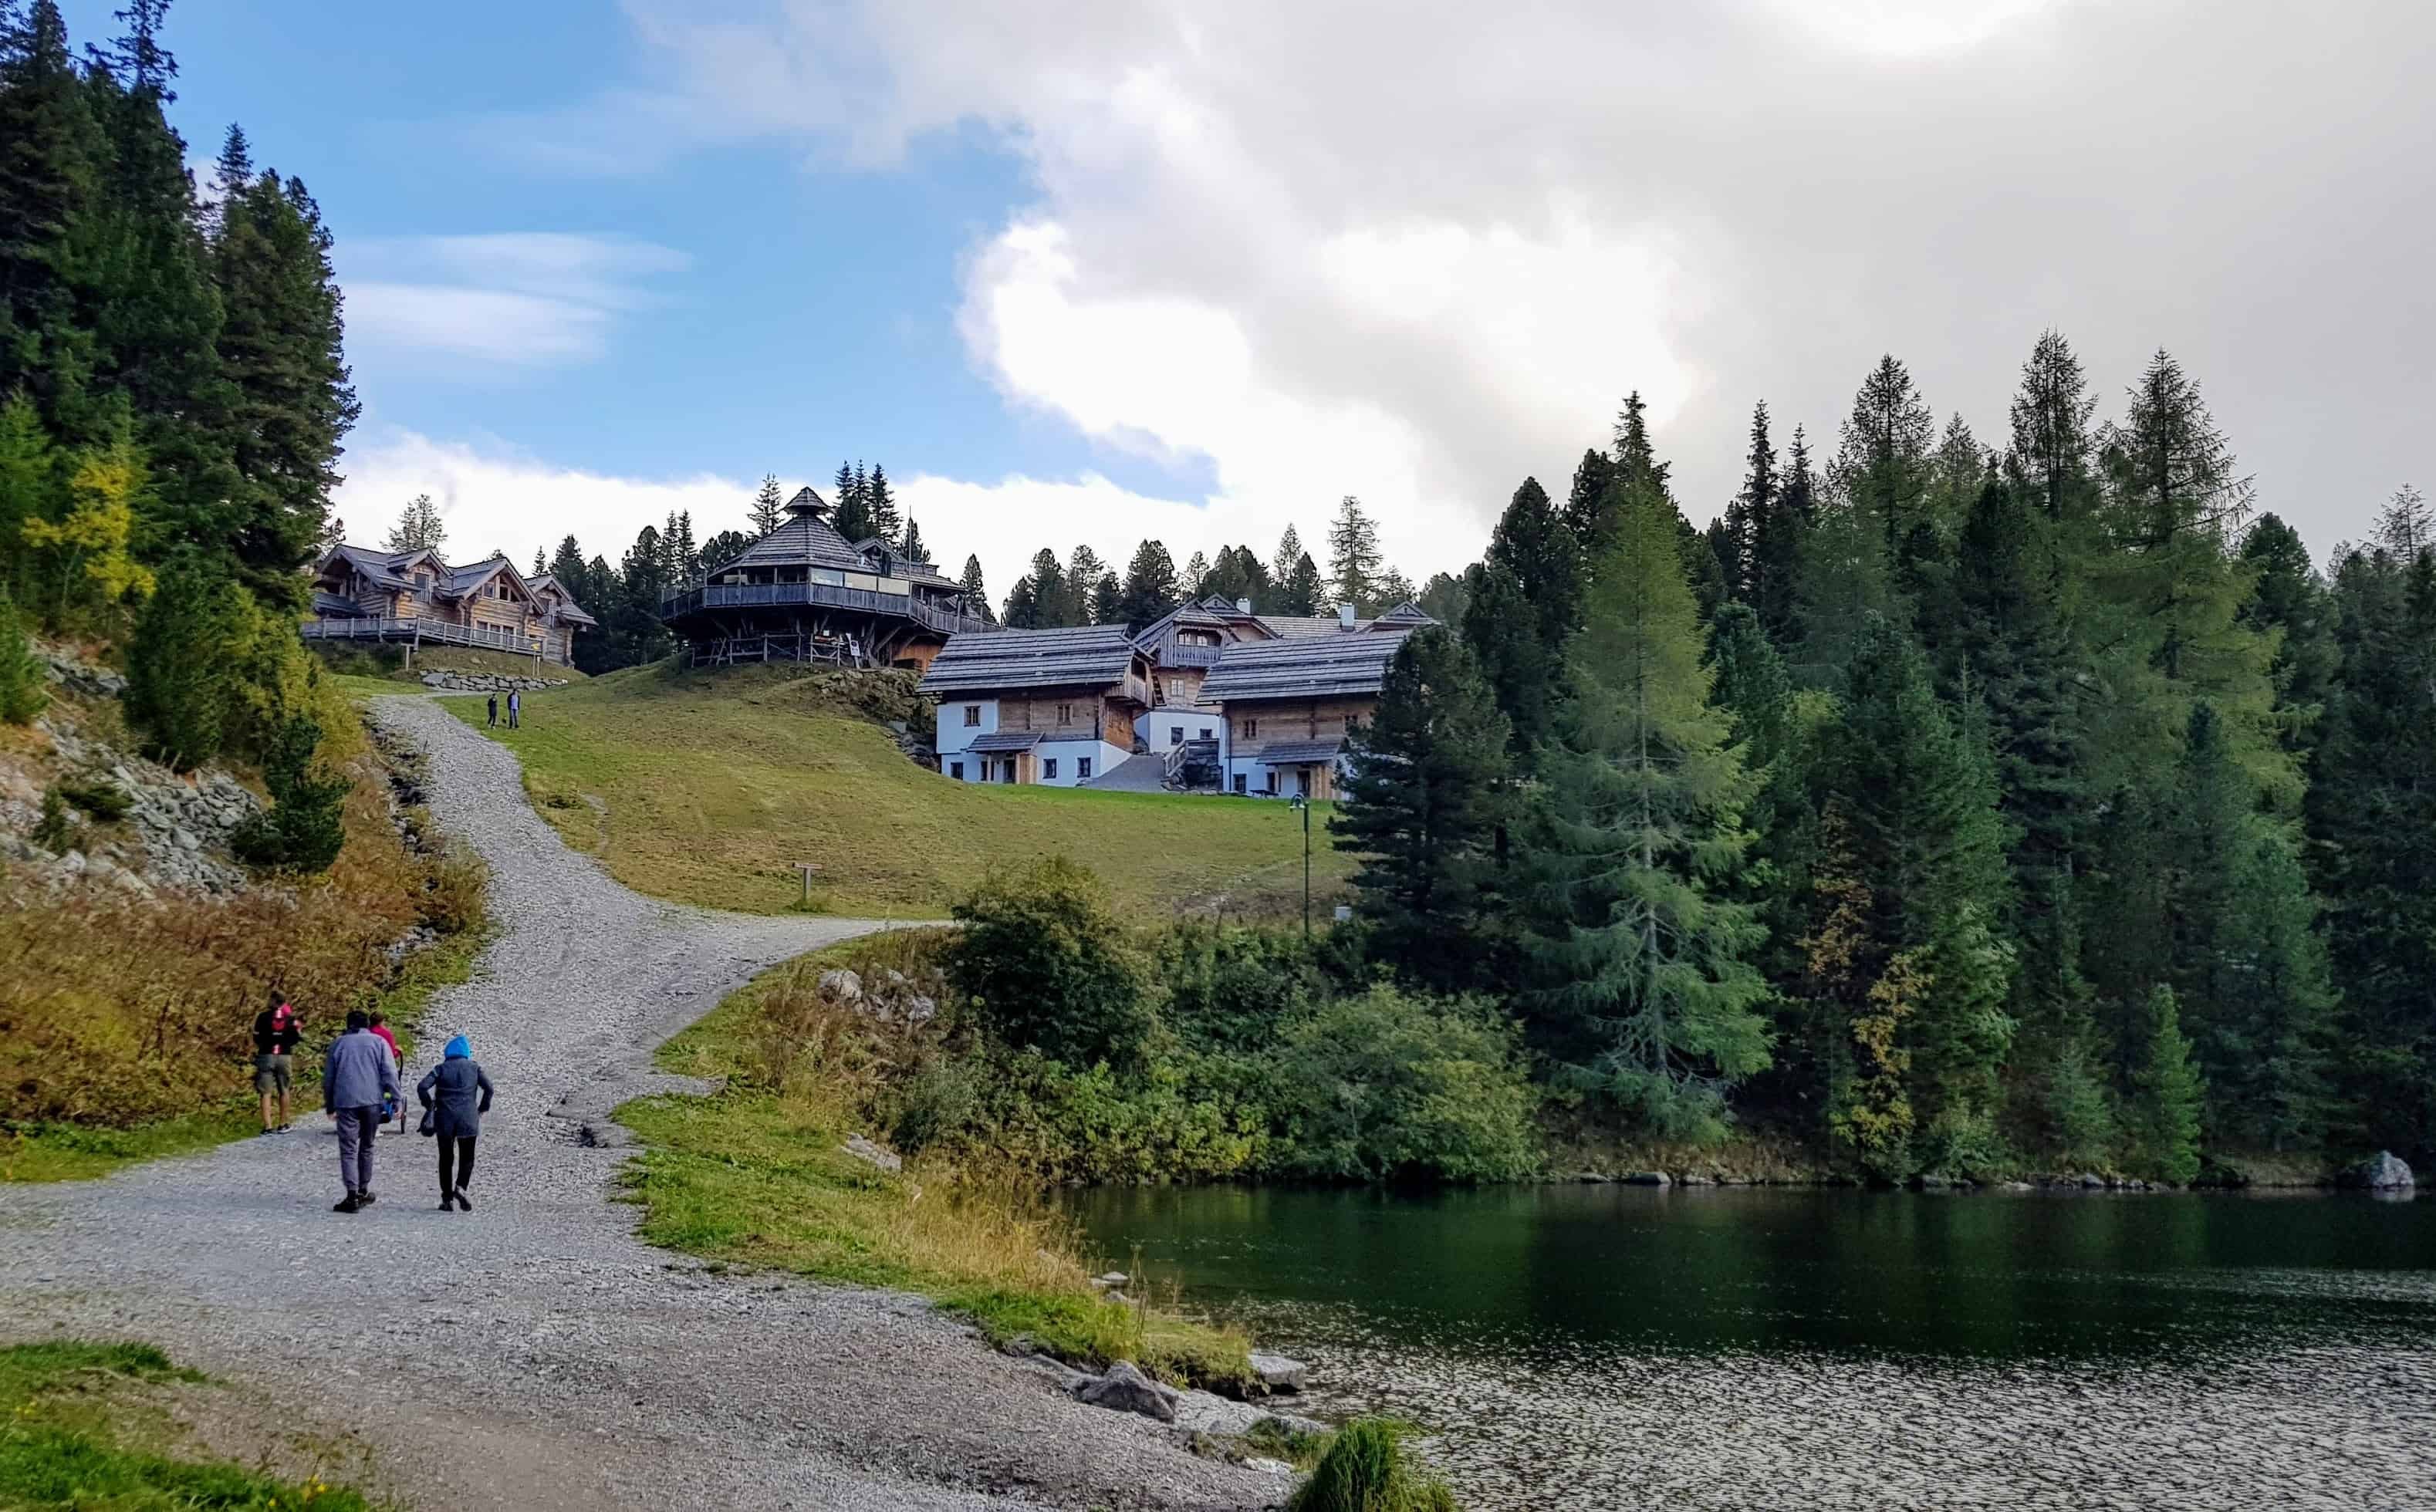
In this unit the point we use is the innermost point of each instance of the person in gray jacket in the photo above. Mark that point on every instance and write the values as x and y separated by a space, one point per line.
356 1077
458 1095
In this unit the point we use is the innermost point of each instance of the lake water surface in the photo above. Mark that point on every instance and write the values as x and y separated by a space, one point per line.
1622 1347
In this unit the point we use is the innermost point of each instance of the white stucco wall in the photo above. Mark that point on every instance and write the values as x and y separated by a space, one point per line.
1066 753
954 734
1154 726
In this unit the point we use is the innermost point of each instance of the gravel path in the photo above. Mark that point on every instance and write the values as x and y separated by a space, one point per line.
532 1353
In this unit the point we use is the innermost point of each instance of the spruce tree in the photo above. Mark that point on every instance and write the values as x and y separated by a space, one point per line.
1353 556
1107 600
723 548
1052 602
975 593
1196 571
1282 563
50 187
1150 588
1425 809
22 690
1299 591
2178 501
419 526
1764 536
1588 495
1445 598
305 827
769 506
2291 602
2265 1055
1524 606
1643 964
881 501
182 664
2165 1094
1882 467
1022 605
915 550
567 565
2052 440
851 510
1084 570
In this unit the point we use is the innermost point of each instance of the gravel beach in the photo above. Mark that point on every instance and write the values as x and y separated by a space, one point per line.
532 1353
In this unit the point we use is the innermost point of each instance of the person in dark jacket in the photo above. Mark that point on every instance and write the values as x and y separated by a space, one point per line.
357 1077
458 1095
494 711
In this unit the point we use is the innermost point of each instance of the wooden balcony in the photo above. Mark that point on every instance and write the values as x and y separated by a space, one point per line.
429 629
823 594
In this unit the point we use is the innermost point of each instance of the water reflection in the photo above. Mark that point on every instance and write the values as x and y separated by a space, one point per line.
1611 1345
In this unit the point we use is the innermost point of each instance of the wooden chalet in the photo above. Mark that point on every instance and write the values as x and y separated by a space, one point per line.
1050 706
1288 703
1184 645
803 593
414 597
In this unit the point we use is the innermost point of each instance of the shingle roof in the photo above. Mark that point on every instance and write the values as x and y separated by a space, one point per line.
1298 753
1084 656
567 608
805 539
332 606
386 568
1290 626
1003 742
1407 616
1302 666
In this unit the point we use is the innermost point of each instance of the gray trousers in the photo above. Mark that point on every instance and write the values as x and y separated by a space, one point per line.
357 1128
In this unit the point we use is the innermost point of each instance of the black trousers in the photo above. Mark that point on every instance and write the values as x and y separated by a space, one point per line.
456 1160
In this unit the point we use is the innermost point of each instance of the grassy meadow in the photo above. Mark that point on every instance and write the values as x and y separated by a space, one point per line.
711 788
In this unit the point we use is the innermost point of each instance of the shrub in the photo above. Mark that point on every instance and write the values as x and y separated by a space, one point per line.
454 886
1047 964
1391 1084
1232 988
1365 1470
52 830
23 693
182 667
305 827
105 800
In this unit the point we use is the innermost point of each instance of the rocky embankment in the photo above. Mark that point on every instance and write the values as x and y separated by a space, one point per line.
2382 1172
487 682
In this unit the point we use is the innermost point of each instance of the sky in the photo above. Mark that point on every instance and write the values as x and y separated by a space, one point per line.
1091 272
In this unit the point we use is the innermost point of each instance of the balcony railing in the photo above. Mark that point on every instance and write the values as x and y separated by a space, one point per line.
1189 655
828 596
440 631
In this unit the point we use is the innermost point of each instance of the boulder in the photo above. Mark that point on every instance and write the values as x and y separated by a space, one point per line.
1277 1373
870 1154
2090 1181
2381 1171
1125 1389
1201 1412
1112 1279
1646 1179
843 986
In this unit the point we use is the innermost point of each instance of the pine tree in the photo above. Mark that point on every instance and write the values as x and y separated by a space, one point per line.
1353 556
1150 587
1524 605
1642 962
769 506
2265 1055
1196 571
915 549
305 827
183 665
1764 537
1084 570
1022 605
567 565
851 510
50 180
1913 894
1446 599
1298 592
1587 497
975 593
680 561
1425 809
1108 598
1882 467
2052 441
1052 601
419 526
22 690
2289 601
723 548
282 347
881 500
540 563
2165 1094
1282 564
2407 525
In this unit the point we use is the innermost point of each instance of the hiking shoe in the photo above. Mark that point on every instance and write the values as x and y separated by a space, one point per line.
464 1201
447 1202
348 1204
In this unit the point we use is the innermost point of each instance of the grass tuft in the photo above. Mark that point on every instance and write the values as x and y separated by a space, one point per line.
1365 1471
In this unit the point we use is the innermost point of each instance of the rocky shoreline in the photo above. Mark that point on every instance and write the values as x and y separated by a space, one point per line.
2382 1172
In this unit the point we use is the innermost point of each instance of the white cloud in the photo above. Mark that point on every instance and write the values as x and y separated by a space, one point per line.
517 299
1415 254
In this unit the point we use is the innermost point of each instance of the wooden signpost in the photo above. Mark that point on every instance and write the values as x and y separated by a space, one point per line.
807 868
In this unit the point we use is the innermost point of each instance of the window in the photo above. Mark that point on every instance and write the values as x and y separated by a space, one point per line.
972 715
1065 713
956 769
1082 765
1251 729
1176 735
1049 770
1273 779
1205 733
1239 782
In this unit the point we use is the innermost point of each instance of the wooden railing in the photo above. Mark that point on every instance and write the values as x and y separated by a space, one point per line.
831 596
484 637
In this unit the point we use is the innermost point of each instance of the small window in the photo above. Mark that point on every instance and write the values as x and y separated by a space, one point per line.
972 715
1239 782
1082 765
1251 729
1273 779
1176 735
1049 770
956 769
1206 735
1065 713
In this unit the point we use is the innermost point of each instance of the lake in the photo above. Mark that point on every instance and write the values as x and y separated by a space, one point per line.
1626 1347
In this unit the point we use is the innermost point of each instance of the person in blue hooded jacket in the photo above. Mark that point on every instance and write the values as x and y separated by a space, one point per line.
458 1094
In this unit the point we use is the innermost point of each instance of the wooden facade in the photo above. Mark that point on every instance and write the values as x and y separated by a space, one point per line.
359 594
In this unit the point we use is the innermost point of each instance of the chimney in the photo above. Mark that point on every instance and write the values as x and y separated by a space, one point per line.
1242 606
1345 616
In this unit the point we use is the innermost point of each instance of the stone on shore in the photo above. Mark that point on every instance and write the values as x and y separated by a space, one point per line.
1125 1389
1277 1373
843 986
1646 1179
2381 1171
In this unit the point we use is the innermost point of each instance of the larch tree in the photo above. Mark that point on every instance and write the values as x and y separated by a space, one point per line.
1882 467
1425 809
1640 960
2053 440
419 526
1353 555
1289 552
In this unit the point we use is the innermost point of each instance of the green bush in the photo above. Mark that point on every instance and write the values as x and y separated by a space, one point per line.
181 667
52 831
1229 987
1390 1085
1365 1470
305 827
23 693
105 800
1047 966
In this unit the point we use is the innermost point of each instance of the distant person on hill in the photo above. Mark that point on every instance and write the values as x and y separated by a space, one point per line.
358 1075
494 711
397 1106
275 1034
516 707
458 1094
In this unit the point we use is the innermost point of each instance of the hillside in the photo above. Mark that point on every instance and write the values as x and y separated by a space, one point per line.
711 788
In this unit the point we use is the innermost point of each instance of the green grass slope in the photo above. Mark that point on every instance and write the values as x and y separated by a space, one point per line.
711 788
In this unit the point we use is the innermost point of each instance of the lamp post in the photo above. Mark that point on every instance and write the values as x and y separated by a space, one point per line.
1303 806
